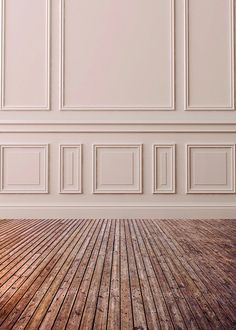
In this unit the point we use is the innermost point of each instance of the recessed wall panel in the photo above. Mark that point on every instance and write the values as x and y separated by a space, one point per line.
210 169
164 169
117 55
24 169
70 169
209 54
117 169
25 54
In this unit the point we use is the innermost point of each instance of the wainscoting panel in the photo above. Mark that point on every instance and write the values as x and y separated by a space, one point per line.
24 169
70 169
123 36
164 169
140 100
211 168
124 171
25 53
117 169
209 54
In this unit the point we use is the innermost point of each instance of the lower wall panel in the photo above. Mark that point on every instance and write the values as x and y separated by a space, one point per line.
117 174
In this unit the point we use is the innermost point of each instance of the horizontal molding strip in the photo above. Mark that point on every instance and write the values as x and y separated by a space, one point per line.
55 122
115 206
69 127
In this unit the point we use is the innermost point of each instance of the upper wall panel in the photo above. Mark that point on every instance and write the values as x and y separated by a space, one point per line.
117 55
209 46
25 54
95 59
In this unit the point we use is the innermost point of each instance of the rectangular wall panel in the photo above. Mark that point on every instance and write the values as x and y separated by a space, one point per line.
25 51
23 169
117 169
70 169
209 54
210 169
117 55
164 169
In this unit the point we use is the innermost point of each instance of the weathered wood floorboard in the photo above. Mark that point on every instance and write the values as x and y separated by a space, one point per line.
117 274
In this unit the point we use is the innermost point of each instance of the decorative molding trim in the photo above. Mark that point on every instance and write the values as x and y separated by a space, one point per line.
186 75
43 180
106 123
48 66
119 188
75 127
183 211
171 174
62 107
76 185
120 205
226 190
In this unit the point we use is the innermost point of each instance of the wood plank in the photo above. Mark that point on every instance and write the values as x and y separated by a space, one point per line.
168 286
19 263
90 305
76 313
152 317
201 266
26 243
101 314
114 297
139 317
202 280
12 233
198 301
126 312
117 274
34 280
218 261
9 225
158 296
31 264
73 271
39 304
70 297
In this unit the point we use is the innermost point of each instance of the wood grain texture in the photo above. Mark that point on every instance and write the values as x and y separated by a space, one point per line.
117 274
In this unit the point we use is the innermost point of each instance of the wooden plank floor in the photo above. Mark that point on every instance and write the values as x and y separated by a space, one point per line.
117 274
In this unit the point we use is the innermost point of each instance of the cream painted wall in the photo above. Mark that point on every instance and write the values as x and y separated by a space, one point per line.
117 108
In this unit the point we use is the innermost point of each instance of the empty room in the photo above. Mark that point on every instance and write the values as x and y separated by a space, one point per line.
117 165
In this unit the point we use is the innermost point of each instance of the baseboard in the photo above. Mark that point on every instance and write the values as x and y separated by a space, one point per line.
95 211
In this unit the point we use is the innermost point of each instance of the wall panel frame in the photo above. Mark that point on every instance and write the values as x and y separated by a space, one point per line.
210 169
27 107
117 168
24 169
231 34
164 168
70 168
137 107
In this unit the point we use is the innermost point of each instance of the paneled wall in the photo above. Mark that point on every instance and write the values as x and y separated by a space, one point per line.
117 108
